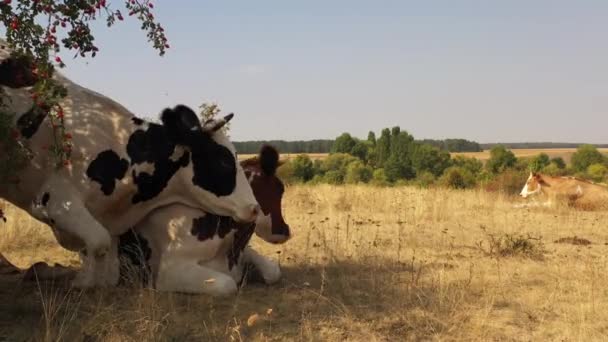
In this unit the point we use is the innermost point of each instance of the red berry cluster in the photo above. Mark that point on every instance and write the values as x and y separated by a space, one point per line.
67 26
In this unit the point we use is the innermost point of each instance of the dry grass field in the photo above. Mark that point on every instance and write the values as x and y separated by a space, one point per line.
365 264
565 153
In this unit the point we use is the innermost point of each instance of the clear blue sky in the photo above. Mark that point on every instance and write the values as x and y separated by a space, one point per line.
512 70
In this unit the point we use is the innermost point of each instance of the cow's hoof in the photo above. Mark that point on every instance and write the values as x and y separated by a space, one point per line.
220 287
271 274
83 281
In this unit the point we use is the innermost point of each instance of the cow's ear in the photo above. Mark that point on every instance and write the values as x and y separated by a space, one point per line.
181 123
269 160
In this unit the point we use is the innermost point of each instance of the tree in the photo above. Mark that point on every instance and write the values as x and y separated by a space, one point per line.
371 137
379 177
500 159
65 27
361 150
431 159
209 111
383 148
343 144
585 156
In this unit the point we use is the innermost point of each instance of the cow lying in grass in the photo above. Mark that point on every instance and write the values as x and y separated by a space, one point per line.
122 167
572 191
183 249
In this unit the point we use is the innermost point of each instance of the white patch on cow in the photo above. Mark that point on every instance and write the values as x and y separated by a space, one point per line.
525 192
579 190
178 152
67 205
144 167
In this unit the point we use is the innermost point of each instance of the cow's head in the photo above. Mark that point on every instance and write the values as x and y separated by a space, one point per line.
268 190
216 174
533 185
15 71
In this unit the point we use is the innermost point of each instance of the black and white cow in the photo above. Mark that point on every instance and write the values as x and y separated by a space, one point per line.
183 249
122 168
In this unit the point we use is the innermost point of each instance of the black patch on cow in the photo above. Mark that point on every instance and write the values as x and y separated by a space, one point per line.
29 123
280 230
137 121
206 227
45 198
214 169
134 254
214 165
16 72
241 239
2 215
153 146
106 169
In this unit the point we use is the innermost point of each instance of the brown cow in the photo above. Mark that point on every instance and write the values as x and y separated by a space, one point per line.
575 192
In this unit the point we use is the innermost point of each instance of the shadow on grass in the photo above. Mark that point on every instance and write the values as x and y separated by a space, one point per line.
342 299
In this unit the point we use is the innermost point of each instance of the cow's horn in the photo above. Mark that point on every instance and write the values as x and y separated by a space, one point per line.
215 125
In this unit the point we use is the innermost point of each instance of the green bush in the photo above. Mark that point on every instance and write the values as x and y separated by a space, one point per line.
357 172
553 169
333 177
597 172
302 166
424 179
500 159
456 177
473 165
379 178
585 156
510 182
539 162
559 162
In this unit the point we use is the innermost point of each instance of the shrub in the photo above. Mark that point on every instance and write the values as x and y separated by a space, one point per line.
553 169
473 165
500 159
539 162
379 178
510 182
457 178
302 168
424 179
357 172
333 177
559 162
585 156
597 172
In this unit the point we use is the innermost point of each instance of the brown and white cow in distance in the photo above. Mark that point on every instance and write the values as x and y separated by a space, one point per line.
183 249
572 191
123 168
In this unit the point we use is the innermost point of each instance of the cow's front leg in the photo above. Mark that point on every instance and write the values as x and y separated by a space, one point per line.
60 206
177 274
269 269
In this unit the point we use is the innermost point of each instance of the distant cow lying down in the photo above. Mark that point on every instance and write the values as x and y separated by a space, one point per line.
183 249
572 191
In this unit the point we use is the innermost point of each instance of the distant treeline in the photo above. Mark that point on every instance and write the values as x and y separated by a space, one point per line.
539 145
324 145
450 145
301 146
